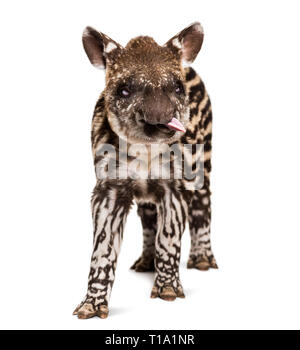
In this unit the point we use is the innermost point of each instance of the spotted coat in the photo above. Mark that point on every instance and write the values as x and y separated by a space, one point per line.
164 205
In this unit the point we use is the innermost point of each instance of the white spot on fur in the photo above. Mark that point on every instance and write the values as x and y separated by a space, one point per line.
176 43
205 201
111 46
85 32
98 66
198 27
197 212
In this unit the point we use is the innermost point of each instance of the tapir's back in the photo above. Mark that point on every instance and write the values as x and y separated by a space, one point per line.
199 130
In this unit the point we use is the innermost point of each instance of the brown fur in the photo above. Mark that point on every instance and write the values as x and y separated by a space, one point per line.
146 86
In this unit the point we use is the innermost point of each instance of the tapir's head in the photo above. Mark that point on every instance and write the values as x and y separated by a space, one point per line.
145 92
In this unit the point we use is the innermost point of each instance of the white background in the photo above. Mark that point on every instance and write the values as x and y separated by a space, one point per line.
250 64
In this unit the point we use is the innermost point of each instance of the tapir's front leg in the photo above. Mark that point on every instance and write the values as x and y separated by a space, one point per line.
110 205
172 214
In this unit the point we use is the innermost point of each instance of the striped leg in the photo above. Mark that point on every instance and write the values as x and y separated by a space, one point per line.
201 256
172 213
148 215
110 206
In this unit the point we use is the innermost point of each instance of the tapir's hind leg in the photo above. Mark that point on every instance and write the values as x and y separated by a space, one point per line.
148 215
201 256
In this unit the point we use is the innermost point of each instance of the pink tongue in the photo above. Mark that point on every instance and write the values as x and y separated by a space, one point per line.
175 124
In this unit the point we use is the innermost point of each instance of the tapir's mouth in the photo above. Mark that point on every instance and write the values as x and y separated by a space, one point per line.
169 128
164 128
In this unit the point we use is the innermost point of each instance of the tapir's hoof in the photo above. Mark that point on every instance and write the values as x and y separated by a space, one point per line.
167 293
202 264
87 310
143 265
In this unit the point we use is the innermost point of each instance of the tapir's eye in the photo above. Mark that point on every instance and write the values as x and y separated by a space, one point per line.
179 89
124 91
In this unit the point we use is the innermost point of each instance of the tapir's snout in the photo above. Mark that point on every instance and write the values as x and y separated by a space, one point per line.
159 109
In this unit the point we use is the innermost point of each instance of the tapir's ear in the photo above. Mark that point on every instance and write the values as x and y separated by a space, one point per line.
188 42
98 47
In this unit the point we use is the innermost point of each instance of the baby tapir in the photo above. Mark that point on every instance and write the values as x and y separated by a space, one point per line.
151 98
